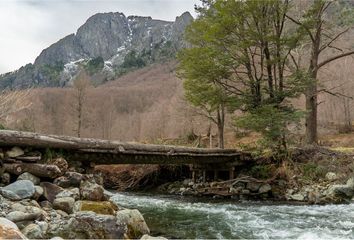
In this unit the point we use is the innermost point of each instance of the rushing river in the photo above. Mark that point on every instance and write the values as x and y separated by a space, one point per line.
186 218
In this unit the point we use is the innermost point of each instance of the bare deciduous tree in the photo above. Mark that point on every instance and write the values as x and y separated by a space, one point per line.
322 37
81 85
13 101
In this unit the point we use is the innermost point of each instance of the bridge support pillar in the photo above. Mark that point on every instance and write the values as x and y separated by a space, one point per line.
194 176
232 173
216 175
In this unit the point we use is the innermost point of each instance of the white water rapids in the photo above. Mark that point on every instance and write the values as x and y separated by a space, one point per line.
185 218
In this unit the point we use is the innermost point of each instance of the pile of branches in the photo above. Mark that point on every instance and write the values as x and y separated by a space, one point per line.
133 177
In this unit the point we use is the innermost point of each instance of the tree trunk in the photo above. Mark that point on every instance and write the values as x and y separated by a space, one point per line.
311 117
221 123
311 91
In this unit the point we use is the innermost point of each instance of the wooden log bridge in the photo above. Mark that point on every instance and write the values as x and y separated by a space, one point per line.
93 152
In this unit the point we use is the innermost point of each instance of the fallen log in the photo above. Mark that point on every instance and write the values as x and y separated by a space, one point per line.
39 170
28 139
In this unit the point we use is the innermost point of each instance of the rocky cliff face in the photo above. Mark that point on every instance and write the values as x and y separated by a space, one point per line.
107 44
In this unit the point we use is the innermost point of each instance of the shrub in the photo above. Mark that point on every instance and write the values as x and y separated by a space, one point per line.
312 171
261 171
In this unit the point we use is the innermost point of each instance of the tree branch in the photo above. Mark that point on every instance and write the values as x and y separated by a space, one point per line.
302 25
336 94
335 58
333 39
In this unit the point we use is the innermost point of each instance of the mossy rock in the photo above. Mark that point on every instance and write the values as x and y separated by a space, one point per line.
104 207
136 225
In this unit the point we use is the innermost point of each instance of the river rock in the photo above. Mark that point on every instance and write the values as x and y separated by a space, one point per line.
43 225
38 192
18 216
21 188
65 204
107 194
331 176
148 237
61 163
33 231
91 191
50 190
28 176
56 238
134 221
105 207
87 225
7 223
340 192
5 178
70 179
253 186
265 188
15 152
297 197
74 193
46 204
9 195
18 207
9 230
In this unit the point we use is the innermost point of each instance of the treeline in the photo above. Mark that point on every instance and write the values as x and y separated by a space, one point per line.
256 56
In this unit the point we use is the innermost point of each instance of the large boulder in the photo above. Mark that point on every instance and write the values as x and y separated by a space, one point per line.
134 222
87 225
105 207
50 190
65 204
90 190
30 177
22 188
9 230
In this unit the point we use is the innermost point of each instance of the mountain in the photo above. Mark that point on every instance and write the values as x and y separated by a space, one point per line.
107 45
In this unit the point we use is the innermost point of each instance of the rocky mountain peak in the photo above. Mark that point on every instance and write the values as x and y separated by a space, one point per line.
108 36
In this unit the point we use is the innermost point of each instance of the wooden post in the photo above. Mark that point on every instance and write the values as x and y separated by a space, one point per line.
204 176
216 175
232 173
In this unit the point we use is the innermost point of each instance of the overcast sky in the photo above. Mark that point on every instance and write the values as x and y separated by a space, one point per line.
29 26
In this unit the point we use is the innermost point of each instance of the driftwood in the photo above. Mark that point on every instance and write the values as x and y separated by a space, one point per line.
39 170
